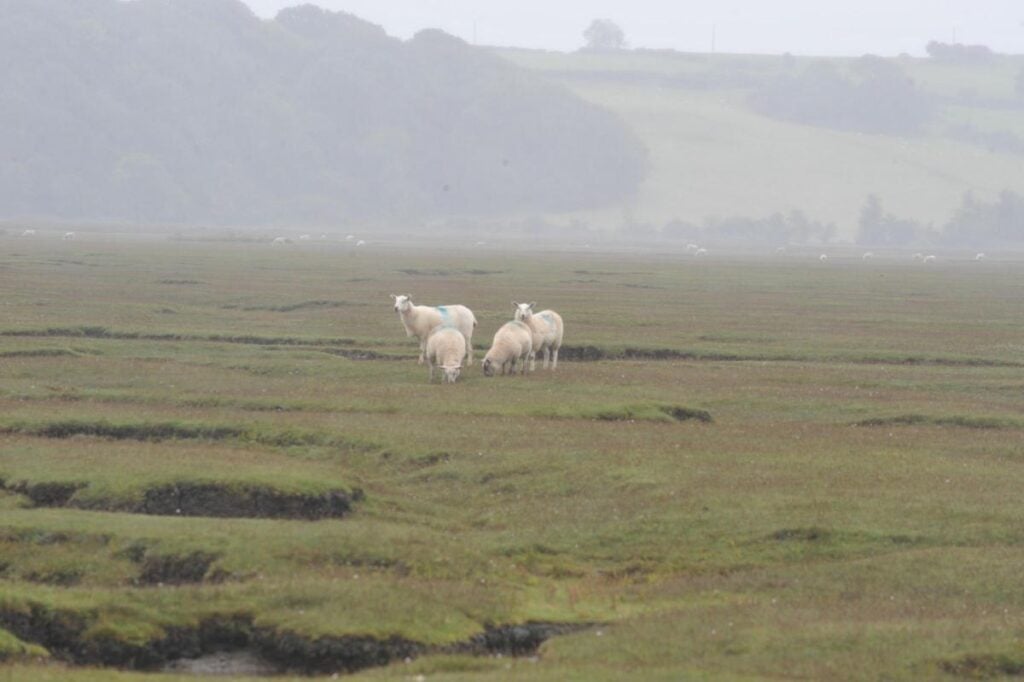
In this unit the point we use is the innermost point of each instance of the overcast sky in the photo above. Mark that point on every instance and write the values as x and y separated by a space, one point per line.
886 27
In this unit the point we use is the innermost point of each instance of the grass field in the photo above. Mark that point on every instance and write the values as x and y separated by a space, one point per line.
712 156
217 446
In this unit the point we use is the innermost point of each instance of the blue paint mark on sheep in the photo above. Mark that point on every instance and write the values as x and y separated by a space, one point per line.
446 317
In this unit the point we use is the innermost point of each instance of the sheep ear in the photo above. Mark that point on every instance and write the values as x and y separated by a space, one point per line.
514 304
531 305
393 296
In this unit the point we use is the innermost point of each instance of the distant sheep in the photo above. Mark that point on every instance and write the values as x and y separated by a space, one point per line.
700 252
446 346
513 343
928 259
419 320
280 241
979 257
68 235
918 256
823 257
691 248
546 329
28 233
780 250
361 242
867 256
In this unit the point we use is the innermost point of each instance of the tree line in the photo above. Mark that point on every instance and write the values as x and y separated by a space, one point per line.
196 110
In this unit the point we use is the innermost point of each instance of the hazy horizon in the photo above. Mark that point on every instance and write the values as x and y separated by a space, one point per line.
747 26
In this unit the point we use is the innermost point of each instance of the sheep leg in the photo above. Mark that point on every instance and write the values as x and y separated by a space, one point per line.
469 353
533 361
430 365
554 359
423 352
547 357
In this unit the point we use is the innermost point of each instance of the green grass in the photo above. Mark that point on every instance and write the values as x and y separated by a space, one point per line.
802 471
712 156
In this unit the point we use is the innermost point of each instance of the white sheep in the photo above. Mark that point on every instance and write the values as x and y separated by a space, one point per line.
823 257
28 233
700 252
304 237
979 257
280 241
546 329
68 235
867 256
780 250
418 320
918 256
928 259
691 248
446 346
513 343
361 242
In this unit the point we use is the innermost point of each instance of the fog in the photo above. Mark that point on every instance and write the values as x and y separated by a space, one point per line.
746 124
796 26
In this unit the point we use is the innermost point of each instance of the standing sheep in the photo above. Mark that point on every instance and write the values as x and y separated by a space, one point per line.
446 346
512 343
418 320
546 329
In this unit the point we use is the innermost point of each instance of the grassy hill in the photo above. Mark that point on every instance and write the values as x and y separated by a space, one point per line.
712 155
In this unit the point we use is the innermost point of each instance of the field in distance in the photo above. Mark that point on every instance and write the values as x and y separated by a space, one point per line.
742 469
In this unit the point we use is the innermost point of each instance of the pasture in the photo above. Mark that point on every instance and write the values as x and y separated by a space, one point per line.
210 446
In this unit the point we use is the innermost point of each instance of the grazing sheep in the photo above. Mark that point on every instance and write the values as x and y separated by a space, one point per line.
361 242
980 256
918 256
546 330
867 256
512 343
304 237
691 248
928 259
823 257
446 346
350 237
780 250
700 252
28 233
280 241
418 320
68 235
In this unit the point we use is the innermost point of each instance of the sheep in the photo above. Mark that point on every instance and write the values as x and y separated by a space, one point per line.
700 252
513 343
780 250
546 332
979 257
304 237
867 256
361 242
280 241
928 259
918 256
68 235
418 320
823 257
691 248
446 346
28 233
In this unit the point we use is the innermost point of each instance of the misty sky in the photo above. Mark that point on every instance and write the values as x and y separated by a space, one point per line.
886 27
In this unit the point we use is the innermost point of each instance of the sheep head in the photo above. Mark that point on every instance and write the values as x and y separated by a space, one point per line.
523 311
402 302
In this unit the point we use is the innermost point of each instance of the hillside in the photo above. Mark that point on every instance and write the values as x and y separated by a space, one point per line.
188 111
715 155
